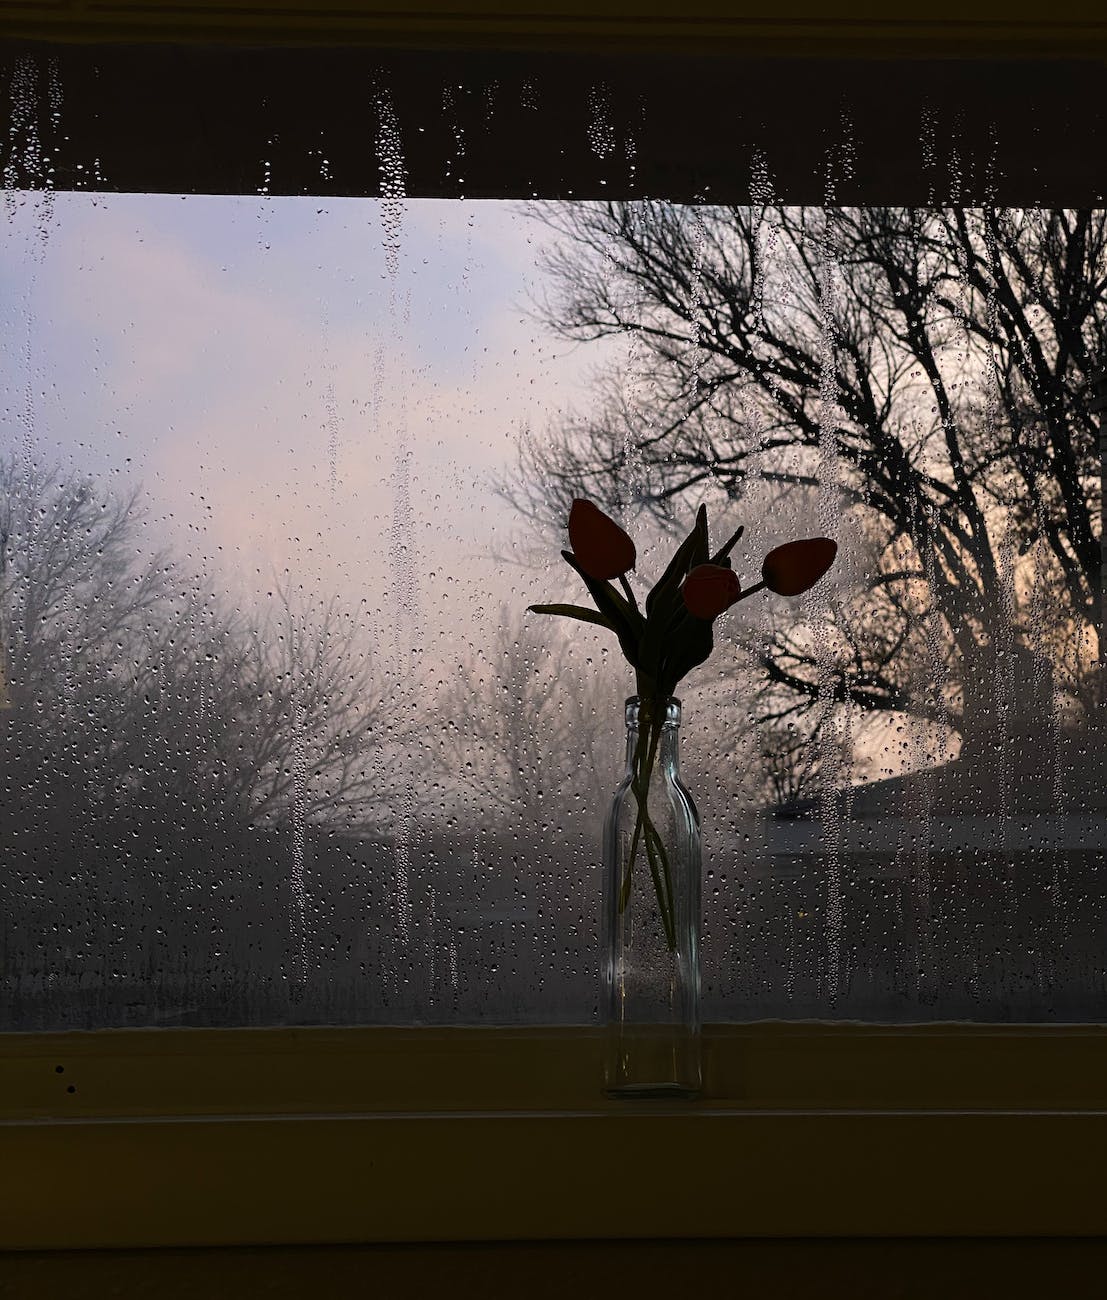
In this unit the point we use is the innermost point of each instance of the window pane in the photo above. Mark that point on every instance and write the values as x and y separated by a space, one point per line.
281 475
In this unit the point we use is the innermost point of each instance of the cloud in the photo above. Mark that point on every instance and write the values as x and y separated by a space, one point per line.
256 369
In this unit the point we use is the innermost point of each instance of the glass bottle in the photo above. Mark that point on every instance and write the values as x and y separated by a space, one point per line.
651 916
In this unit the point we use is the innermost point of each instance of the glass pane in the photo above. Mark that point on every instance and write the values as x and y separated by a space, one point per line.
275 743
281 475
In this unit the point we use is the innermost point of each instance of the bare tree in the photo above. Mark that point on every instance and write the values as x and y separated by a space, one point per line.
136 684
532 726
924 367
74 588
280 717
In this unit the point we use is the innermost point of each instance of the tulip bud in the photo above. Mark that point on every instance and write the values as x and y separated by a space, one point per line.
709 589
795 567
601 547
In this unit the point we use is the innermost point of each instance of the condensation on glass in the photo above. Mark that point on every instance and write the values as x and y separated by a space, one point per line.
280 475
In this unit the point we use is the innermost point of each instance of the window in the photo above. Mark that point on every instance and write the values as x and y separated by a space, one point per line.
251 783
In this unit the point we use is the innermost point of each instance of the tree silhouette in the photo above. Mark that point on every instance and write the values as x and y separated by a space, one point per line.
924 367
135 687
527 726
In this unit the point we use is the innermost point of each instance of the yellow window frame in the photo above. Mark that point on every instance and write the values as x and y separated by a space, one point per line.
196 1137
132 1138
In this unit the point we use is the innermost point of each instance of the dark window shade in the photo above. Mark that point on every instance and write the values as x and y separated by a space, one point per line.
191 119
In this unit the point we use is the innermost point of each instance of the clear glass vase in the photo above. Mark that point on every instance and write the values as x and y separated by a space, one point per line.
651 915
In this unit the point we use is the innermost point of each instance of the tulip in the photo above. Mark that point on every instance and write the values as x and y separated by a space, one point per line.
709 589
661 644
795 567
601 547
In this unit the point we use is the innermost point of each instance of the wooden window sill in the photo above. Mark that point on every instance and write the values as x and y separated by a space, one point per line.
207 1137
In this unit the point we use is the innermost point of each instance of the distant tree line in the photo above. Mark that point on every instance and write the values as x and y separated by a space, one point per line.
135 685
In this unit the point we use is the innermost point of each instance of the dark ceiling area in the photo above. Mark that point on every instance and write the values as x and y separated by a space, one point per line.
483 125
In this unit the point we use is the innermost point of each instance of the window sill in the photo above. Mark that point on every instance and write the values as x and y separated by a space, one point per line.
198 1137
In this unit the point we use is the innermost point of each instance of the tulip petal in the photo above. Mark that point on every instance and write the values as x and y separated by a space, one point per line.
710 589
795 567
603 549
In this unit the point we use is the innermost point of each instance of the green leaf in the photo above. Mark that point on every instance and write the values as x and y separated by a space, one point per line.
699 548
675 572
580 612
627 622
721 555
664 603
688 644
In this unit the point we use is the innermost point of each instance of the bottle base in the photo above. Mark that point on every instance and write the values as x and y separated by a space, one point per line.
656 1061
652 1092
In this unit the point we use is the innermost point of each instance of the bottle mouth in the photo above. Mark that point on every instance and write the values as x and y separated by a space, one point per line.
635 711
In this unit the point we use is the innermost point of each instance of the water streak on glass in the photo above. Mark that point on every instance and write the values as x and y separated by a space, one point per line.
279 477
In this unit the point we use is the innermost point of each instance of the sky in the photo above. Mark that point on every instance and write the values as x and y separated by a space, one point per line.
303 390
277 389
280 393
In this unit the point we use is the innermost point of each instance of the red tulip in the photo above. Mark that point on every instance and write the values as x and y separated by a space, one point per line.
795 567
709 589
601 547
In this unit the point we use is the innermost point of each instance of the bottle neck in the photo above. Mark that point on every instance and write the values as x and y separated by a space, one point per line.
641 720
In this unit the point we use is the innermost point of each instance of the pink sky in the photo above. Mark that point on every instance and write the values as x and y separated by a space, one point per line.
252 364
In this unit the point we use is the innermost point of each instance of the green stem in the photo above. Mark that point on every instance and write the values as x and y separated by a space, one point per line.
643 765
652 851
641 794
660 846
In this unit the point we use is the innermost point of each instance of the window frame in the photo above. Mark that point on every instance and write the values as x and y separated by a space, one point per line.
128 1138
265 1136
